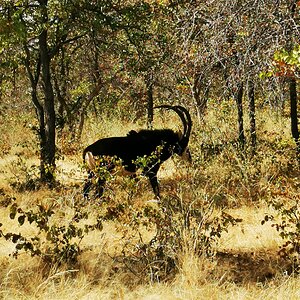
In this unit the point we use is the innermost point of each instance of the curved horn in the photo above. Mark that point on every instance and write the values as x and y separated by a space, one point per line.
184 115
188 120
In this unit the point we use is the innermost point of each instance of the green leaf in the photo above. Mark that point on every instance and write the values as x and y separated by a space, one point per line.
21 220
19 246
13 211
15 238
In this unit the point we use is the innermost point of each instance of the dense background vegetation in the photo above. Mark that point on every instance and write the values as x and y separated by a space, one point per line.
74 71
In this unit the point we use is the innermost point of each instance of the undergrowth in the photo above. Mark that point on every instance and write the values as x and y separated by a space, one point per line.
152 237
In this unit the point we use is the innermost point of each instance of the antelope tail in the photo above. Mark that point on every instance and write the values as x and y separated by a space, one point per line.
90 160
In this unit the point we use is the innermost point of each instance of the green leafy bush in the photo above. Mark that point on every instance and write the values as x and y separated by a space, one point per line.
55 242
287 224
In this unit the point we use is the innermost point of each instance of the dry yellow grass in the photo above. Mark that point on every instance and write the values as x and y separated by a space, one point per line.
246 265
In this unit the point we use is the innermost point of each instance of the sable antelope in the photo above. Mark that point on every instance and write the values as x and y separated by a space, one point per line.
140 144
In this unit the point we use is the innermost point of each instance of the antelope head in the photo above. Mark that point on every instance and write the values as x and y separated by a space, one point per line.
184 136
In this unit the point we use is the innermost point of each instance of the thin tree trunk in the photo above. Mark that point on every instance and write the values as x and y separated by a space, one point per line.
294 115
81 124
39 109
251 100
201 101
149 86
41 132
49 149
1 79
60 87
239 102
292 81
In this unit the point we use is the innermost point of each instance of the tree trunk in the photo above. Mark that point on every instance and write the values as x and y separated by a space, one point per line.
201 100
48 150
39 109
239 102
149 86
41 131
291 33
251 100
294 115
1 79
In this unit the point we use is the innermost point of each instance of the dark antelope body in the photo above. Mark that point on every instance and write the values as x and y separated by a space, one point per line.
139 144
